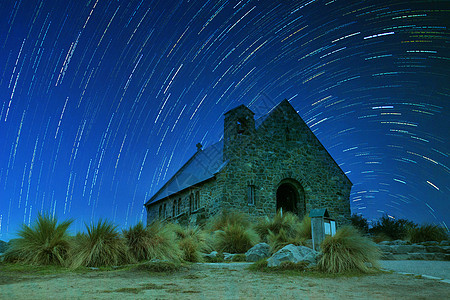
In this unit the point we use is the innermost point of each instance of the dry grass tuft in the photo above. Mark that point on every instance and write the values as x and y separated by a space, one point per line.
227 217
44 243
191 240
235 238
101 246
348 250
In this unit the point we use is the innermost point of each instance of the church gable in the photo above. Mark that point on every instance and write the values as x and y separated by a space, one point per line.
287 128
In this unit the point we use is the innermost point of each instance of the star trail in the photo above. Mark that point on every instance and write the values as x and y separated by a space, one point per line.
102 101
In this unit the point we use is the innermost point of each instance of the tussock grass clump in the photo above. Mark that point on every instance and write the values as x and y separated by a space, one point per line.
348 250
426 233
162 242
304 229
191 241
286 221
138 241
101 246
225 218
284 229
44 243
235 238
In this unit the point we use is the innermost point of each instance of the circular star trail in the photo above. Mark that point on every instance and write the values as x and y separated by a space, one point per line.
102 101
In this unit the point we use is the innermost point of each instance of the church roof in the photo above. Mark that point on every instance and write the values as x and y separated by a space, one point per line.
202 166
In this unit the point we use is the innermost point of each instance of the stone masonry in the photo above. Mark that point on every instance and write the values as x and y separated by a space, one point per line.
275 162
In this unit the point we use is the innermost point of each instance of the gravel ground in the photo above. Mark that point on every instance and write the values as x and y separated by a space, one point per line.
440 269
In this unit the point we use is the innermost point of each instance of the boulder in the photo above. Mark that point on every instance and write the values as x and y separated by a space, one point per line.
400 242
213 254
295 254
228 256
258 252
403 249
445 243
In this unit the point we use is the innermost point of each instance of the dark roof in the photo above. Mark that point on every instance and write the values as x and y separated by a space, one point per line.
319 212
199 168
202 166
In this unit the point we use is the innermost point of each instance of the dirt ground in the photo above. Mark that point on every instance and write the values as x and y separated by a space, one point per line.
215 281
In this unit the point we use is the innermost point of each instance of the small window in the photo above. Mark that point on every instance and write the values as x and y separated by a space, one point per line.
197 200
160 211
251 195
174 208
179 206
191 202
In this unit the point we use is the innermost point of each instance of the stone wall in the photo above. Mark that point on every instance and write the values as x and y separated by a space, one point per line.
283 148
208 193
403 250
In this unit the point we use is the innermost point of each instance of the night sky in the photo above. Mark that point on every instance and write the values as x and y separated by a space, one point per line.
102 101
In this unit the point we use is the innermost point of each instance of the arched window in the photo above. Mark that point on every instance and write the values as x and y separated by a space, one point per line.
174 208
197 200
251 194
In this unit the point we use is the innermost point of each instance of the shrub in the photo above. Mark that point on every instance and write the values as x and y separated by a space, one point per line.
101 246
225 218
191 241
348 250
235 238
44 243
360 223
427 233
395 229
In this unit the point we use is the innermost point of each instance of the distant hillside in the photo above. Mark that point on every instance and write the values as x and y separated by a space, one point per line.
3 246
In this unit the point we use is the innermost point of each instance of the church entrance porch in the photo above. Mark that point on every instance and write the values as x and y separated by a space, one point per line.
290 197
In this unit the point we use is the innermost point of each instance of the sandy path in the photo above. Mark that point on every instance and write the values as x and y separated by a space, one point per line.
219 281
440 269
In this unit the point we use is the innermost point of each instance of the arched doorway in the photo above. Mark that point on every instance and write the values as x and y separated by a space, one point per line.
291 197
287 198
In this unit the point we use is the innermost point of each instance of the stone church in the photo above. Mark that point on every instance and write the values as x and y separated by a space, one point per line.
257 168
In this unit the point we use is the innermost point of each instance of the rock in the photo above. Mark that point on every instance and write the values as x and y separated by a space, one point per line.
438 249
293 254
258 252
400 242
445 243
308 243
385 248
384 243
228 256
213 254
429 243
